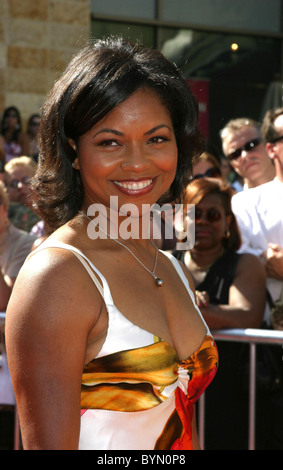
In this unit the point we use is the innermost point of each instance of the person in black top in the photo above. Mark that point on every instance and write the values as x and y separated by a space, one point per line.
230 292
230 287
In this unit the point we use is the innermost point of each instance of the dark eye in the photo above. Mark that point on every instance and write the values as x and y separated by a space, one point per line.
213 215
108 143
158 139
198 213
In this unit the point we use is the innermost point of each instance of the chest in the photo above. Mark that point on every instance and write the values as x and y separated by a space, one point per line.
164 312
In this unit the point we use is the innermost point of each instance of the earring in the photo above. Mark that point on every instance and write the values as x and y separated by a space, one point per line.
227 233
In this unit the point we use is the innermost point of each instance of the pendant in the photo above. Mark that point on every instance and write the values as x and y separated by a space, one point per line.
159 282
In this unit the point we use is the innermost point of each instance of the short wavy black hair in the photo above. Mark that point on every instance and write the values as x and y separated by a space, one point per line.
101 76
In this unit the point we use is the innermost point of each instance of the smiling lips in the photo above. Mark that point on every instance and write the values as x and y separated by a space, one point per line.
135 187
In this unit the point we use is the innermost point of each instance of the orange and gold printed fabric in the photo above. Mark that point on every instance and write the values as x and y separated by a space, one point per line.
138 380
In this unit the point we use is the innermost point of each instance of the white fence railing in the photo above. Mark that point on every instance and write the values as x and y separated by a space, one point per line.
253 337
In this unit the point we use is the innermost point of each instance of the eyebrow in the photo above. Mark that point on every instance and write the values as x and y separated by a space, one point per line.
151 131
114 131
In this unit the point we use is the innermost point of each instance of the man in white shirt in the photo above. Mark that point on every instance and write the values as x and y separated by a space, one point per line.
243 146
259 211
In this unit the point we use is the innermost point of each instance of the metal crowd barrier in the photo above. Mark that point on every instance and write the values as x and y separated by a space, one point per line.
253 337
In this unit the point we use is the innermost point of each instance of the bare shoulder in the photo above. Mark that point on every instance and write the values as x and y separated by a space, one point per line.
52 286
250 263
52 310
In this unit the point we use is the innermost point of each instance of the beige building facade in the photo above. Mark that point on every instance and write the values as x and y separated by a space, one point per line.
37 40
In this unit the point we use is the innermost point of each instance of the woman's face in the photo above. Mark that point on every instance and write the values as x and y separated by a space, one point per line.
205 169
11 119
201 167
211 222
131 153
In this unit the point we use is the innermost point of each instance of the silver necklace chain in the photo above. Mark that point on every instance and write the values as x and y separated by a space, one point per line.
159 282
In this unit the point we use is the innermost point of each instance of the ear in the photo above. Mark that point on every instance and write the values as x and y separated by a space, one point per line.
72 144
76 164
270 150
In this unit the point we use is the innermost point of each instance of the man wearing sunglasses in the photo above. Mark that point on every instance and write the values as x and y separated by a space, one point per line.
259 211
243 146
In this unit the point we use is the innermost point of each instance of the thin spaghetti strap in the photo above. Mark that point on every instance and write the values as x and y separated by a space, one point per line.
179 270
90 272
185 281
82 259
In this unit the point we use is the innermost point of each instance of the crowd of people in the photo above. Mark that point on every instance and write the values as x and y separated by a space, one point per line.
18 162
231 296
235 266
19 152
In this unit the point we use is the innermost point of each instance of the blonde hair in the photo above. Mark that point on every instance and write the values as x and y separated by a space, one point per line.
237 124
17 162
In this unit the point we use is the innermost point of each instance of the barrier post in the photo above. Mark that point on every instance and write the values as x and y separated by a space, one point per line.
252 397
201 420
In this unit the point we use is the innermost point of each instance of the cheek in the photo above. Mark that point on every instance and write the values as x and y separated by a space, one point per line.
97 164
236 166
169 162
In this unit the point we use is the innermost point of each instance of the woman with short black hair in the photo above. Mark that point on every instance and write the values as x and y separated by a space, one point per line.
101 323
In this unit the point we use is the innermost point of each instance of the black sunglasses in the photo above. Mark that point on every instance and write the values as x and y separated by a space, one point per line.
15 183
276 140
210 173
211 215
250 145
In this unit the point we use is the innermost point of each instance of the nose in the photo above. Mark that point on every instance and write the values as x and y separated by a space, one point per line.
135 159
21 186
244 154
202 219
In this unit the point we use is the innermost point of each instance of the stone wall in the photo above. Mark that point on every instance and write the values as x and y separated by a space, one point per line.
37 40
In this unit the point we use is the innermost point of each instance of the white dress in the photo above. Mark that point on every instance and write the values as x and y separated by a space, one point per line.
135 393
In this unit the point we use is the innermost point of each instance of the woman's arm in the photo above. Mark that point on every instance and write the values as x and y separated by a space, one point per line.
273 258
247 298
47 328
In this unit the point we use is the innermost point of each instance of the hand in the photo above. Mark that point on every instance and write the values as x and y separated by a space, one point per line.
274 261
202 298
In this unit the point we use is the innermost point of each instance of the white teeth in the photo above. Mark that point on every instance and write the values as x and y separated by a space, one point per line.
134 185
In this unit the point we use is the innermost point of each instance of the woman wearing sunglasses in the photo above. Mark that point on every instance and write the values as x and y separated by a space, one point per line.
206 166
231 294
227 283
